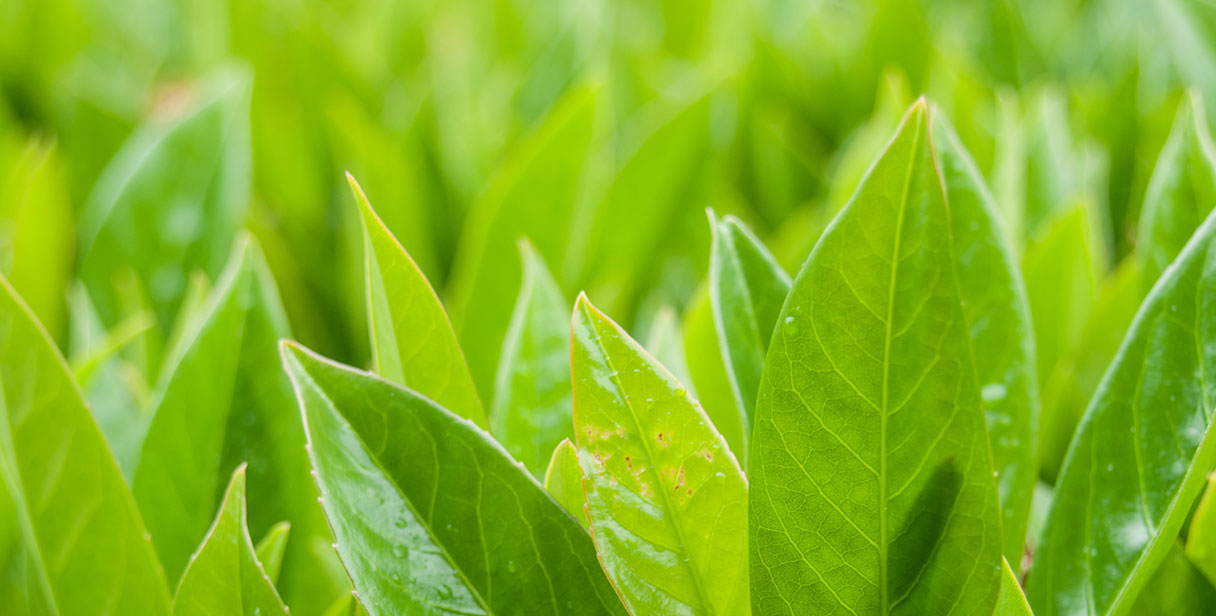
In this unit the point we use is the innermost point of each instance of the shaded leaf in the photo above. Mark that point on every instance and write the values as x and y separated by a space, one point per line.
746 289
430 514
708 372
271 548
665 496
531 412
1176 587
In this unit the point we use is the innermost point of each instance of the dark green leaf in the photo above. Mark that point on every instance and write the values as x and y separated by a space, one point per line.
1139 456
430 514
746 290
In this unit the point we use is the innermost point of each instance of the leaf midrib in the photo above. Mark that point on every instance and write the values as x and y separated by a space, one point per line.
615 378
883 573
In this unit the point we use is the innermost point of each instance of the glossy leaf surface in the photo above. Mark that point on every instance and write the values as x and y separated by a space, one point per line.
1139 456
413 343
869 443
746 289
430 514
79 526
1002 337
531 413
666 498
224 575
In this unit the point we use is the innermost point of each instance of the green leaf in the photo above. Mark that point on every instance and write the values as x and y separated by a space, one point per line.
1080 369
564 481
531 412
224 402
536 194
1181 190
430 514
1176 587
86 544
1060 285
171 200
271 548
412 340
1201 539
1010 601
36 233
872 485
708 372
746 290
666 498
665 341
1139 456
224 575
998 317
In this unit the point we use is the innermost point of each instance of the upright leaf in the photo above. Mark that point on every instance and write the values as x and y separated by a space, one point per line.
1138 459
271 548
430 514
746 289
1181 190
1176 587
86 545
535 194
872 485
665 341
1201 538
564 480
171 200
413 343
1010 601
998 319
666 498
224 575
531 413
707 369
224 402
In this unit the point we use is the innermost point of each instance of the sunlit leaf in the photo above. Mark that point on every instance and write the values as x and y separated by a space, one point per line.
564 480
78 523
413 343
666 498
430 514
869 443
270 550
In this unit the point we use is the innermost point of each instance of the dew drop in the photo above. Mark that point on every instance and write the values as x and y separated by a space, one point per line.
445 591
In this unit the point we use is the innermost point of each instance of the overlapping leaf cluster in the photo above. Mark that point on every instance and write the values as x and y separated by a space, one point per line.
846 356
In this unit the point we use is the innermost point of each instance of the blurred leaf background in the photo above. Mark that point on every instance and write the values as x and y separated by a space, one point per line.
138 138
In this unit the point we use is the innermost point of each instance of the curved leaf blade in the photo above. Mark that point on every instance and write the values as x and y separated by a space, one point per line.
857 501
666 498
531 412
1181 190
430 514
72 502
746 289
998 320
1150 420
1010 601
564 481
224 576
413 343
223 402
